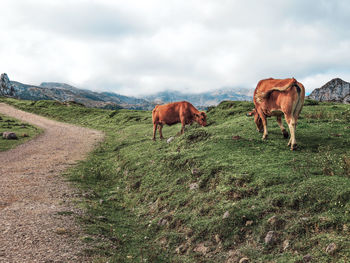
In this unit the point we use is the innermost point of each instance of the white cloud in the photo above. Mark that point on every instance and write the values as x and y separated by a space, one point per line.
137 47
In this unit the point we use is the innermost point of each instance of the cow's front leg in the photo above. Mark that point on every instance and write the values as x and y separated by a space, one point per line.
160 127
183 123
154 131
182 128
284 131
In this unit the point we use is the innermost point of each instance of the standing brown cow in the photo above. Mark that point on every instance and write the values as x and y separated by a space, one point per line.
275 97
176 112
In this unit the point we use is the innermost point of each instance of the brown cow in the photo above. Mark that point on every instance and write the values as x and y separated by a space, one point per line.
176 112
274 97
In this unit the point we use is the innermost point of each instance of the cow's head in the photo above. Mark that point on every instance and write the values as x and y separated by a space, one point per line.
257 119
201 118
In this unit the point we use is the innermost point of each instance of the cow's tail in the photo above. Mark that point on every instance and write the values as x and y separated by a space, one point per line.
300 102
154 111
260 96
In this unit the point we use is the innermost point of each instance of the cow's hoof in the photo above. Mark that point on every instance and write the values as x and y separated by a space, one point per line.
154 139
162 138
294 147
264 138
285 134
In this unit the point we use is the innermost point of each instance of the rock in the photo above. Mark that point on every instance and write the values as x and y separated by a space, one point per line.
163 241
162 222
249 223
6 87
101 201
217 238
9 135
170 139
335 90
201 248
61 231
244 260
195 171
286 244
331 248
307 258
237 137
345 228
194 186
270 238
272 220
226 215
181 249
25 135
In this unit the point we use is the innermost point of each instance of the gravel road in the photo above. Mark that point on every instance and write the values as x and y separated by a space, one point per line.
36 211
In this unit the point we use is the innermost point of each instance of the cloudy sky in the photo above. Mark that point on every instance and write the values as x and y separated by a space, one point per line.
139 47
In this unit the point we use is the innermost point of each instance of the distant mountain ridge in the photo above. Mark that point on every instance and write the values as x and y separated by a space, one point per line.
212 98
336 90
65 92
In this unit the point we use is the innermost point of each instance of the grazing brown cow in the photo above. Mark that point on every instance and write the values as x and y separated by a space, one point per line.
275 97
176 112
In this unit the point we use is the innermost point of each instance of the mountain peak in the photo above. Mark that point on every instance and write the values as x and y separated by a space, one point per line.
336 90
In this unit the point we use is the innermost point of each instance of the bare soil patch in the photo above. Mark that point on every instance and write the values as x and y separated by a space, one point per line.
36 211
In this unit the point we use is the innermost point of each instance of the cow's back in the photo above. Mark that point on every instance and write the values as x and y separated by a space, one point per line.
170 113
283 95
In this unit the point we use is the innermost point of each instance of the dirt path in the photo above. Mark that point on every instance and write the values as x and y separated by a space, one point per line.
34 198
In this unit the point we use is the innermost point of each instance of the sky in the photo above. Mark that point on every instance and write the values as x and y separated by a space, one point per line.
139 47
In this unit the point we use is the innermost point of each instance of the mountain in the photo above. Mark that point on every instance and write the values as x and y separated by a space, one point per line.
64 92
204 99
109 100
336 90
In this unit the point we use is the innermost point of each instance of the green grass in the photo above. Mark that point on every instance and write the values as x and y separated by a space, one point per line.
141 208
20 128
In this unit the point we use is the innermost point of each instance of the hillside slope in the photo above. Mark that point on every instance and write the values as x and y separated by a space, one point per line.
215 193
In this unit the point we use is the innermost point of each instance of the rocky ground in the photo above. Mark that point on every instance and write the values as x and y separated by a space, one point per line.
36 211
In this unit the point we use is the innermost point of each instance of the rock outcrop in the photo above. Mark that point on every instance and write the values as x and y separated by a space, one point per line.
6 88
336 90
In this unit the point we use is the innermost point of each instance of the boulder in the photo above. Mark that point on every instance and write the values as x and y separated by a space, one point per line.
170 139
9 135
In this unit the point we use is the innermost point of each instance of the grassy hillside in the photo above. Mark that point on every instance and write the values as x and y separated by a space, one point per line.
209 196
24 132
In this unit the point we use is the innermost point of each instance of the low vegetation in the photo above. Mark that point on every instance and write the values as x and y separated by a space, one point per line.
215 193
24 132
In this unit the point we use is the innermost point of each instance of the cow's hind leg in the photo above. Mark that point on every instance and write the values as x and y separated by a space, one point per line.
160 127
264 122
292 126
284 131
154 131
